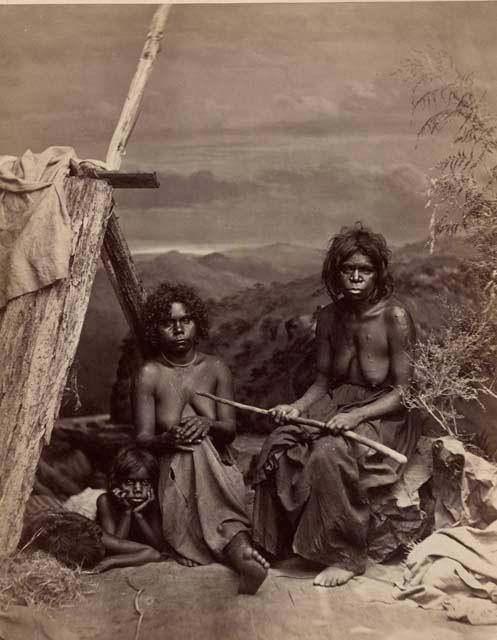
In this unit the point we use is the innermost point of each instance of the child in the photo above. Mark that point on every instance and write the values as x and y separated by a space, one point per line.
129 509
128 532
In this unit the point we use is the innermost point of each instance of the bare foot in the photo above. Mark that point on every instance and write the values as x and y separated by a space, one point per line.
249 563
186 562
170 554
333 577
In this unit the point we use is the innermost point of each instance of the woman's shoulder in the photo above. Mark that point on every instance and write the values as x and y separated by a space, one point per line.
397 314
393 307
212 359
212 362
327 313
325 318
149 370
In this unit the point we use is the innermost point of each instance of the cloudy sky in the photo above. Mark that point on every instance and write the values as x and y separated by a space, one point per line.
266 123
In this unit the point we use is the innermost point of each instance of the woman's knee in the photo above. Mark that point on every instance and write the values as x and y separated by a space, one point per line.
330 445
332 460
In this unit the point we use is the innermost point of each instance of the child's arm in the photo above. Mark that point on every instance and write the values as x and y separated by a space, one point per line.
105 518
125 553
150 525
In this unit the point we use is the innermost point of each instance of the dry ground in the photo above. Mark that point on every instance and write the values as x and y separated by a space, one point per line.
202 603
182 604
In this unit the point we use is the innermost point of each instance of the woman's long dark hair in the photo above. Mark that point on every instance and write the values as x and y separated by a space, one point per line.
345 244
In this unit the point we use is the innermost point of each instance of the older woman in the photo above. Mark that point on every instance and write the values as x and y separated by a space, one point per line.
311 484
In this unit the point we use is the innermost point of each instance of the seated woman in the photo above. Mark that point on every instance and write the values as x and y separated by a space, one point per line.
312 484
198 483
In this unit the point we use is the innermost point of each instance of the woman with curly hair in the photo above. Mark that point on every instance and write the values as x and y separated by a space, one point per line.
311 484
201 492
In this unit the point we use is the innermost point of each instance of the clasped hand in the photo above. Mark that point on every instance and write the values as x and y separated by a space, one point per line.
190 430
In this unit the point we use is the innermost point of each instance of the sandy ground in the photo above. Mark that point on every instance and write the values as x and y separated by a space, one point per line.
202 602
180 603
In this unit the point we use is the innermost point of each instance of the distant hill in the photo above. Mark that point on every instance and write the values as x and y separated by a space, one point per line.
263 300
211 281
279 262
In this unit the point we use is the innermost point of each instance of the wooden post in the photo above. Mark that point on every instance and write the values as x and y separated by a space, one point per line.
116 255
39 333
132 104
121 271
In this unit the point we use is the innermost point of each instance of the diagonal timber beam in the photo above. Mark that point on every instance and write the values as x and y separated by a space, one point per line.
116 255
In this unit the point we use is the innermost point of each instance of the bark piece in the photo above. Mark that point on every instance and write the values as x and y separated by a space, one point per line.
39 333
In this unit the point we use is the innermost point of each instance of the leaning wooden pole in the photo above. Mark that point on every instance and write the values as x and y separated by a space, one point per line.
116 255
132 104
123 277
39 334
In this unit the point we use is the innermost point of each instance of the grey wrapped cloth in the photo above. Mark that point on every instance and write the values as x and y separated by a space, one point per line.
312 487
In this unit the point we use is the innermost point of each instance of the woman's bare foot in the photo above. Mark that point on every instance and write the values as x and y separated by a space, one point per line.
249 563
184 562
169 553
333 577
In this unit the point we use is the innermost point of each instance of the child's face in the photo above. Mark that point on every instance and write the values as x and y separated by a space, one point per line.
137 487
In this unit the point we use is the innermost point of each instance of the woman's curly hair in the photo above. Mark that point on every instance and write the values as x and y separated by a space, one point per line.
157 309
345 244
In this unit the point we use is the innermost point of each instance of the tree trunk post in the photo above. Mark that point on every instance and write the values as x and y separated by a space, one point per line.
39 334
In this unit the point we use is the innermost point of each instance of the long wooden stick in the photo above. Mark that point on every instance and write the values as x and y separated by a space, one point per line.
351 435
131 108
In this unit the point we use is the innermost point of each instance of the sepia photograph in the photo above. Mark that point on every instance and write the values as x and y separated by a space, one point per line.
248 320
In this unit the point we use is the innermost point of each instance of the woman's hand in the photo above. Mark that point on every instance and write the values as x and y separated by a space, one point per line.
344 422
173 440
193 429
282 413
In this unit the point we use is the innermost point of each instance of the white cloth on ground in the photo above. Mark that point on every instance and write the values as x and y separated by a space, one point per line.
85 502
453 569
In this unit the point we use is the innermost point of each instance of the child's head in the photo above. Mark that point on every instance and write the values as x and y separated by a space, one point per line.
134 473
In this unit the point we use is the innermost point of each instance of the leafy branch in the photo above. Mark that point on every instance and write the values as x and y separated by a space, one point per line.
456 363
459 361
